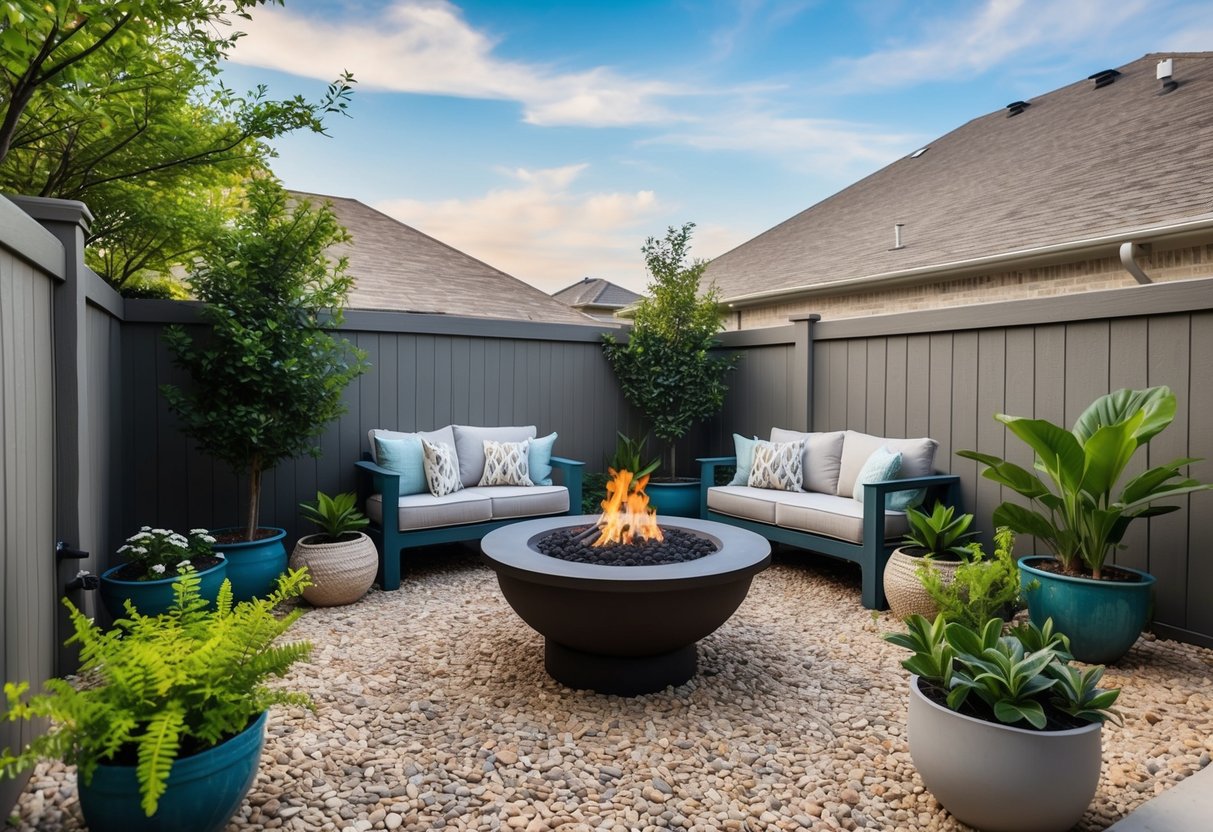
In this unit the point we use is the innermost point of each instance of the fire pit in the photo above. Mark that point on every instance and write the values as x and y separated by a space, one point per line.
625 630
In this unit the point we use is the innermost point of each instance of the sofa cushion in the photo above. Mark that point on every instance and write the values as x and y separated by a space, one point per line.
917 457
822 457
469 447
882 465
425 511
441 468
831 516
745 502
405 457
505 463
444 435
523 501
539 459
744 449
777 466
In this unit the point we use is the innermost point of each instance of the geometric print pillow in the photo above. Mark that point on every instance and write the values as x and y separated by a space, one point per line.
441 468
506 463
777 465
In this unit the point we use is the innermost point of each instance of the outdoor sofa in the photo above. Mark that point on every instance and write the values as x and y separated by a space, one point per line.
827 514
420 518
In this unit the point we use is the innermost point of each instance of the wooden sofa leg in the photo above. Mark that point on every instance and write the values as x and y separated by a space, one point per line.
389 562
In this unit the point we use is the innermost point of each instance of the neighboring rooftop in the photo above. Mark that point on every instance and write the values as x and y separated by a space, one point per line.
1082 162
596 297
396 267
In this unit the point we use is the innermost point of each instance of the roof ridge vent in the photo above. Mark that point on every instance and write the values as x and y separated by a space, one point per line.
1017 107
1104 77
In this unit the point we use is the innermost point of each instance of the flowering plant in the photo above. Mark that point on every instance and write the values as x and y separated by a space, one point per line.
163 553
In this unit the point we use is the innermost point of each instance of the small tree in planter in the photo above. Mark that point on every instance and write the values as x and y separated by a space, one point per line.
269 375
667 369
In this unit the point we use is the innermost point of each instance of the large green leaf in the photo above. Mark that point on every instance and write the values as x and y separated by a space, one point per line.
1025 521
1157 405
1057 450
1011 712
1107 452
1018 479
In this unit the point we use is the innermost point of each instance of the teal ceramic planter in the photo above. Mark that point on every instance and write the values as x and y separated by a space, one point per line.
253 567
1102 618
204 790
676 499
154 597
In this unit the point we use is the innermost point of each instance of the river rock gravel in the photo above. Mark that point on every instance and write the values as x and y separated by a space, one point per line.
433 711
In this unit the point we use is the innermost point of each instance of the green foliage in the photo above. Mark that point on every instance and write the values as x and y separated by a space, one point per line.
1076 513
629 456
593 492
982 587
268 376
119 104
163 553
939 534
155 288
1023 678
157 683
336 516
667 369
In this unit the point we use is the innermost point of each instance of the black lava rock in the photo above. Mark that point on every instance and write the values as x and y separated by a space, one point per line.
678 547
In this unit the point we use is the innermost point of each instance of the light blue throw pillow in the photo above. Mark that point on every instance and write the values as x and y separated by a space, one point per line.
405 457
882 465
745 459
539 459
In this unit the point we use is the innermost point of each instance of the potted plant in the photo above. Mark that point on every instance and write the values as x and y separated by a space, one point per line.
668 367
155 561
341 560
267 374
938 537
1080 511
978 589
1003 730
168 726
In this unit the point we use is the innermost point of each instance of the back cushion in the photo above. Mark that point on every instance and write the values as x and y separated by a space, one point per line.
917 457
444 436
469 447
822 457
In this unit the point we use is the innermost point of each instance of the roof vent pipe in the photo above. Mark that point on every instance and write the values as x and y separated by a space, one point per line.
1017 107
1128 251
897 244
1165 68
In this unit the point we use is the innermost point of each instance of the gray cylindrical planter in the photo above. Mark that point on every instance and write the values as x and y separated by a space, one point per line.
1002 779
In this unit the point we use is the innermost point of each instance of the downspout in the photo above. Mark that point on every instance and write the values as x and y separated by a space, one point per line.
1128 251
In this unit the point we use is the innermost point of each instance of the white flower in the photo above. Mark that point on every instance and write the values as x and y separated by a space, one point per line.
206 538
184 564
199 531
221 556
139 550
123 548
145 528
158 568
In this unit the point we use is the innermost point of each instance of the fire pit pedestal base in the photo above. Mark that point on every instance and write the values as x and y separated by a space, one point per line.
625 630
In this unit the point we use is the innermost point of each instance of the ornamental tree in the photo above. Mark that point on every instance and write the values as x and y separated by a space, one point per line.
668 368
269 373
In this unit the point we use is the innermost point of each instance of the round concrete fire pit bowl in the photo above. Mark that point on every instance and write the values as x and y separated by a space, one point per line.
625 630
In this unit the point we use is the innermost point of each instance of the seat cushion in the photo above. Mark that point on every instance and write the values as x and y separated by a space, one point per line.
523 501
917 457
425 511
832 516
469 447
745 502
822 457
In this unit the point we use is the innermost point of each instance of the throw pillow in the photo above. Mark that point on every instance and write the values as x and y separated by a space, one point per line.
540 459
745 458
469 447
405 457
882 465
505 463
441 468
777 466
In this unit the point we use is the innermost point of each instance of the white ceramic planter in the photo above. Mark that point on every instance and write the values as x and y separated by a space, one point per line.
997 778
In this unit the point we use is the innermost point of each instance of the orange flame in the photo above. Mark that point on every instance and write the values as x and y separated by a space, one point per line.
626 516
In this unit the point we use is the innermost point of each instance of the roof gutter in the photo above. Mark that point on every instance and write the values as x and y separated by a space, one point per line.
954 268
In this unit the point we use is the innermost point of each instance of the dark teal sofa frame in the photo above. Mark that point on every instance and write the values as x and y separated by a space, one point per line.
871 555
391 542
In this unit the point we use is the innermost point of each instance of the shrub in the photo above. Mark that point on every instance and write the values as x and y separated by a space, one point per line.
983 587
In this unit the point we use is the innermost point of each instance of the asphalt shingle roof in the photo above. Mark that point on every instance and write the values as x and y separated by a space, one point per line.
594 291
397 267
1077 163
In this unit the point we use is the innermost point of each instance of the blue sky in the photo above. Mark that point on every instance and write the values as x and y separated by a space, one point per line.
550 138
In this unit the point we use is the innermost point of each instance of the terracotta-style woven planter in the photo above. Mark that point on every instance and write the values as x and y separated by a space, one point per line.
905 592
341 572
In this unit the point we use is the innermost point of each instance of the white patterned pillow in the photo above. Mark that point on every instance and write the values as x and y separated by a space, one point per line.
506 463
777 465
441 468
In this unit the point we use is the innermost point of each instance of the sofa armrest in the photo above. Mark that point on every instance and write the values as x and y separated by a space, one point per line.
707 477
572 471
383 482
934 482
874 494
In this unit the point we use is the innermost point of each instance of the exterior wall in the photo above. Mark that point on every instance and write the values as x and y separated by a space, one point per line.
1042 281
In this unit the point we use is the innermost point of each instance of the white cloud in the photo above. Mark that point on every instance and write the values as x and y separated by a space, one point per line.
543 229
427 47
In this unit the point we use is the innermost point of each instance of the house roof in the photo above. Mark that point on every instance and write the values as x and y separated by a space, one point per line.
397 267
596 292
1076 164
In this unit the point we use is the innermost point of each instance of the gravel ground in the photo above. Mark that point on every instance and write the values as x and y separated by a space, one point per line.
433 711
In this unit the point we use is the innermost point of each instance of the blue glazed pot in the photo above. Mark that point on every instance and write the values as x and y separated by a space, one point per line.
154 597
204 790
1102 618
253 567
676 499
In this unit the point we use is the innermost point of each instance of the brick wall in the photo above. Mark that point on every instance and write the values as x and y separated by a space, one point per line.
1043 281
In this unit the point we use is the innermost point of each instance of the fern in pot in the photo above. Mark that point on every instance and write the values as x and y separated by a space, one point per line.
938 537
341 559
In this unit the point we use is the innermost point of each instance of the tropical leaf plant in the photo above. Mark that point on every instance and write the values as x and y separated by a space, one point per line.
940 533
1076 509
336 516
629 456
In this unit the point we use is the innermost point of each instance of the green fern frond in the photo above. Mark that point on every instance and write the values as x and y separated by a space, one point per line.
158 747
